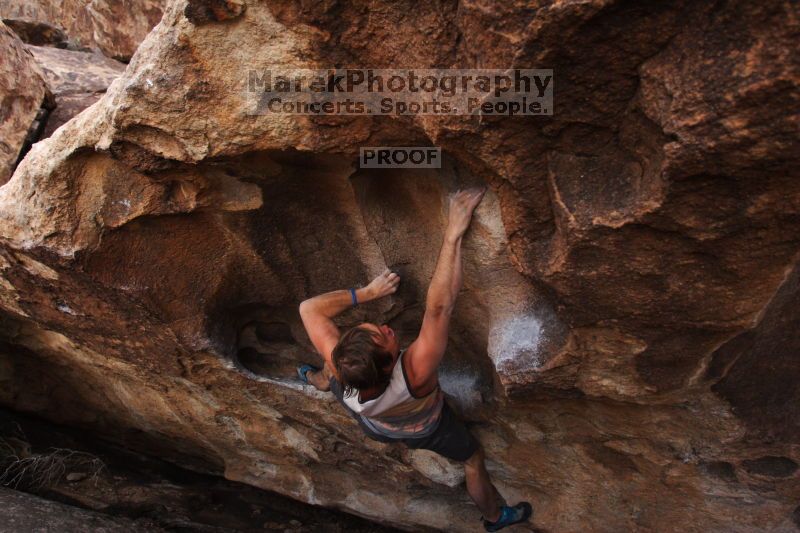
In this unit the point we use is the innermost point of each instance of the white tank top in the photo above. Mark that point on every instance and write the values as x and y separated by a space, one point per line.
396 413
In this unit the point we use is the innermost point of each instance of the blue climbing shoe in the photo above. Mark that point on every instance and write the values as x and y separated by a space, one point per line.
303 370
510 515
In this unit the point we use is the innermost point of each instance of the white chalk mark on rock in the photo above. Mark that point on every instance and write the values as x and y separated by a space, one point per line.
515 341
64 308
462 388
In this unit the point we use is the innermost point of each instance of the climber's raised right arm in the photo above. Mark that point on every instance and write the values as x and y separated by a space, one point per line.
425 353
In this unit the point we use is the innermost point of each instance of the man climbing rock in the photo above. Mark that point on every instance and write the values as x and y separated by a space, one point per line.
394 394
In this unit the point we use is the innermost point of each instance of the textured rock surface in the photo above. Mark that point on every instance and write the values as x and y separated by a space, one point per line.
76 79
625 345
76 468
69 72
115 27
22 94
67 106
38 33
24 512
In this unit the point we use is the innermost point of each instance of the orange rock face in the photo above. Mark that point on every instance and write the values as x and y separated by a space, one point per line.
625 347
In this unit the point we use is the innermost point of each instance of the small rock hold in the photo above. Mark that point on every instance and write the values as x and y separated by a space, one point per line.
202 11
720 470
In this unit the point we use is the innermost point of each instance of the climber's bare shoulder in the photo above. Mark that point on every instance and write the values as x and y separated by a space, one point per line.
422 357
422 380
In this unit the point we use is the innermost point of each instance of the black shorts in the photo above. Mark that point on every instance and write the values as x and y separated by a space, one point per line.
451 439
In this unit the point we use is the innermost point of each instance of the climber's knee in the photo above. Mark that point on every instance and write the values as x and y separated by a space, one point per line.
475 462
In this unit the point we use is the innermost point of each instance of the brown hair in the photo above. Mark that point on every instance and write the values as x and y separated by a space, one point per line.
361 362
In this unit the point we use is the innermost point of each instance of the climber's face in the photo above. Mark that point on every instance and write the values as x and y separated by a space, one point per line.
384 336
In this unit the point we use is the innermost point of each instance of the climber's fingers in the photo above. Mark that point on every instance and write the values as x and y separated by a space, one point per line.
385 283
468 197
475 197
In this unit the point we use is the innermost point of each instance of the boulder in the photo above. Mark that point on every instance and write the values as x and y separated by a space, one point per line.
73 72
623 343
37 33
23 93
77 80
114 27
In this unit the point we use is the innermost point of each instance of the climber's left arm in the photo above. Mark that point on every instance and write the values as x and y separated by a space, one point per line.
317 312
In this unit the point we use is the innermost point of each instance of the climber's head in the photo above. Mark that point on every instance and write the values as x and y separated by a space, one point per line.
364 357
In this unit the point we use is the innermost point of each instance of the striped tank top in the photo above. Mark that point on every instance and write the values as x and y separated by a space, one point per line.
396 413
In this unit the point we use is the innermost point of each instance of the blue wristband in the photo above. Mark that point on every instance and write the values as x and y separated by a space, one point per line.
353 295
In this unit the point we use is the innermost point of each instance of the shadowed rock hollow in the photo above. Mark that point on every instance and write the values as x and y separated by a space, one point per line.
626 343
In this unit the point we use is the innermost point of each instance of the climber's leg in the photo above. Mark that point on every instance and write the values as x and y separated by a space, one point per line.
485 496
453 440
480 487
